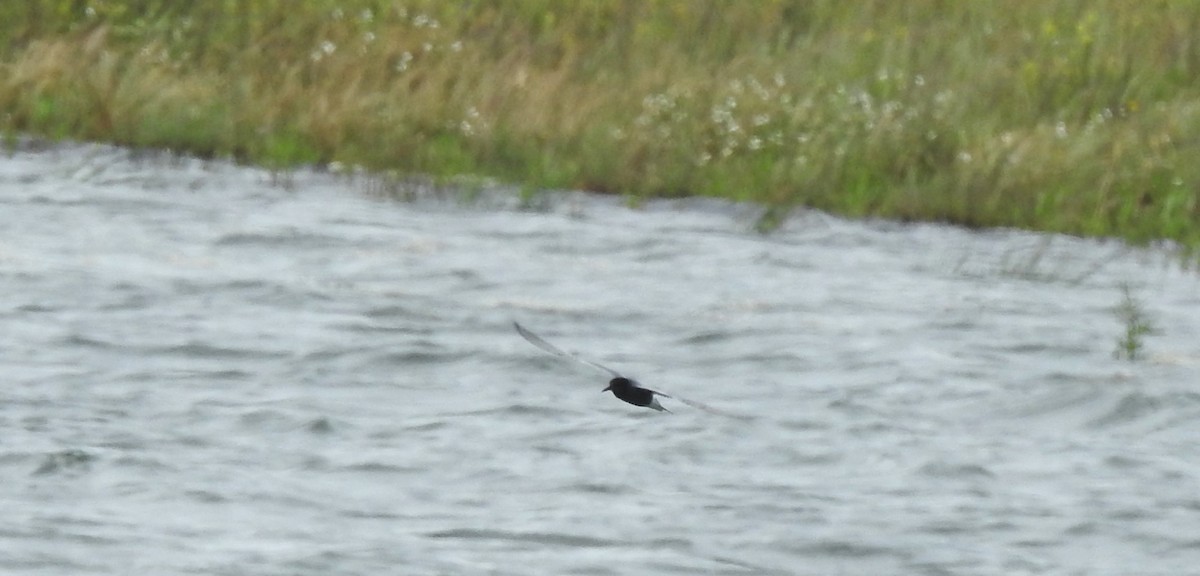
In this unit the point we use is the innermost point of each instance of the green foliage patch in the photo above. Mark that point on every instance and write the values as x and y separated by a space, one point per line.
1066 116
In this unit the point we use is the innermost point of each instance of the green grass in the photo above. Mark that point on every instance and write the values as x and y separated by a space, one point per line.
1136 324
1063 115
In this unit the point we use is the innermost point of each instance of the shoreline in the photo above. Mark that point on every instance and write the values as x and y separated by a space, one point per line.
1058 117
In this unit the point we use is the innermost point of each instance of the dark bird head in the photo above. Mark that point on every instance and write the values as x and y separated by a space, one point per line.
618 383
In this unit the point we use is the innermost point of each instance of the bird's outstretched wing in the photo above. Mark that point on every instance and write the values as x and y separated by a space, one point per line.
550 348
695 404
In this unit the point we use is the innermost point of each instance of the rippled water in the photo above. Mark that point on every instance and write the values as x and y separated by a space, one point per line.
208 372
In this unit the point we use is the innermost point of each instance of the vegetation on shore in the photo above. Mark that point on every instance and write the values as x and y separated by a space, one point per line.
1136 323
1062 115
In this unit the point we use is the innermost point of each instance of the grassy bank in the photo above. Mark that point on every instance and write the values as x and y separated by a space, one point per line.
1062 115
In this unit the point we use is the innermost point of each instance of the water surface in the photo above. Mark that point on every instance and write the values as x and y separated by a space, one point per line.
207 371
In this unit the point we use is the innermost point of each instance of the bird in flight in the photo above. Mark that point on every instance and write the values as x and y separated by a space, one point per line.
626 389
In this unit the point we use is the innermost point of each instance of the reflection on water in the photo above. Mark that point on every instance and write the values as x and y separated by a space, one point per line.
209 373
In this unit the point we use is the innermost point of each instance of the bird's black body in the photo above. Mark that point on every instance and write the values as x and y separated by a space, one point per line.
629 391
626 389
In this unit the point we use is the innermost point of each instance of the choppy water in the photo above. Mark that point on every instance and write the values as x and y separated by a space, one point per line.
208 373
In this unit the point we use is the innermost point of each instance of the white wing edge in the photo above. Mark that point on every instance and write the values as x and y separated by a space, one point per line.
552 349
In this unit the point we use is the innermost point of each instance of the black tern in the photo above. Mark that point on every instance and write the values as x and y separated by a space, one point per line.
626 389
